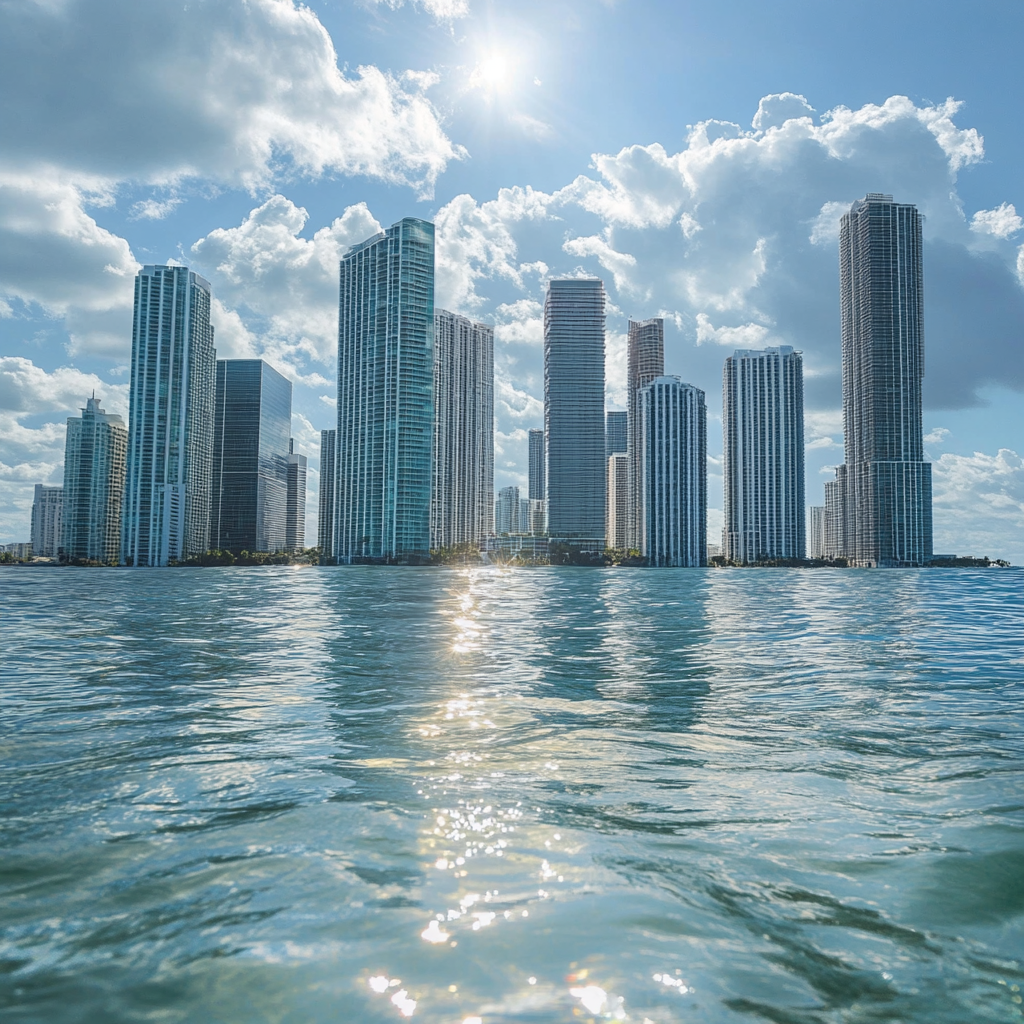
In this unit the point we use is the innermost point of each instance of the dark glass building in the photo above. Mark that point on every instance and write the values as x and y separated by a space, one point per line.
325 523
295 503
614 433
252 428
538 466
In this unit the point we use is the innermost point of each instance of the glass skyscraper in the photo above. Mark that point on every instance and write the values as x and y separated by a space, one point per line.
885 487
763 466
47 521
325 522
673 473
574 325
615 424
95 454
166 512
295 503
386 397
252 424
645 360
462 504
538 466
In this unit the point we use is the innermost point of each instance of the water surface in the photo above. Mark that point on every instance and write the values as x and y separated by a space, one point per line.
330 795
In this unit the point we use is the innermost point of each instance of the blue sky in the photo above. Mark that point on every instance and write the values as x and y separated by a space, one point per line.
695 157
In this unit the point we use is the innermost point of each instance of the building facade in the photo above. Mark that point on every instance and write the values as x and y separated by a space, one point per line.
295 502
166 513
574 336
95 459
618 500
538 466
252 424
462 501
816 531
386 397
615 432
763 466
512 513
885 487
834 526
673 442
47 521
645 361
325 521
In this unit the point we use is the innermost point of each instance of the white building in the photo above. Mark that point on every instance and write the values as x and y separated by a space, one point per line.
816 531
763 466
617 532
673 439
295 502
47 516
462 500
513 514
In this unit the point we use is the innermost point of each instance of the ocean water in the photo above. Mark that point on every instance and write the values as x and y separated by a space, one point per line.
327 795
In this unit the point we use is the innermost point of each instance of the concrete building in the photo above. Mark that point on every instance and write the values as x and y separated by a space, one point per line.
834 525
885 487
512 513
645 360
462 501
252 424
538 517
325 522
166 513
615 432
574 336
538 466
816 531
47 521
295 503
673 440
95 460
386 397
617 533
763 464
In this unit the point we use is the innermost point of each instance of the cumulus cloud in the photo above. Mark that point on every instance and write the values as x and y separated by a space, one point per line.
226 92
443 10
1002 222
775 110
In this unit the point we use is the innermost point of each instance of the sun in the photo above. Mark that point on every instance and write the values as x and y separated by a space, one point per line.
493 72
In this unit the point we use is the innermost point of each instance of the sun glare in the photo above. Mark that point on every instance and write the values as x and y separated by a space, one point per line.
492 72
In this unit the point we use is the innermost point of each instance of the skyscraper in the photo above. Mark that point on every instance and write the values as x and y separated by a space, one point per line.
170 420
574 319
538 466
816 531
295 502
885 487
47 521
834 525
618 499
325 522
763 469
386 396
95 453
615 432
645 360
252 424
512 514
673 477
462 502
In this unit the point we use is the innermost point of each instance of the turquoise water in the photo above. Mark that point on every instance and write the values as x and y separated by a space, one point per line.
280 795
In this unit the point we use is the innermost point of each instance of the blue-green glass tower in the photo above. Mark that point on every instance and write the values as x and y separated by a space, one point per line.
386 397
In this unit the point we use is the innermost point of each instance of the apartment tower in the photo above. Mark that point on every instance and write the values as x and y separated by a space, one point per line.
295 501
47 521
325 521
166 512
645 360
386 397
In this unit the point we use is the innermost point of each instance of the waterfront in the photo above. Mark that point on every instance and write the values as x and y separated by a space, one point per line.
245 795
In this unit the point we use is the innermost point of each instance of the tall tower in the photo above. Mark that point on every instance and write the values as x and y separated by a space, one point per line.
645 360
94 466
252 424
618 500
673 473
885 486
462 502
616 431
538 467
170 419
295 504
574 318
386 397
47 521
325 522
763 424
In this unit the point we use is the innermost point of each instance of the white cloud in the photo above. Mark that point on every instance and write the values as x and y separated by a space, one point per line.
1001 222
744 336
532 126
618 263
232 94
936 436
154 209
26 389
443 10
775 110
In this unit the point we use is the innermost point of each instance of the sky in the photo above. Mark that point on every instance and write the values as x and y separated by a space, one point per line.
696 157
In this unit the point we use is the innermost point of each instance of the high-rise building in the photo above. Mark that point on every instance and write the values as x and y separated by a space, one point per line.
95 456
166 513
618 500
673 476
538 517
386 397
835 524
538 466
574 321
47 521
615 432
295 503
252 424
325 522
462 502
885 487
508 517
816 531
763 465
645 360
